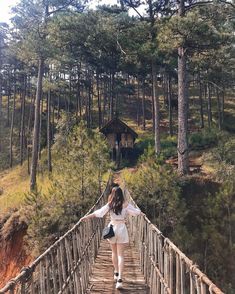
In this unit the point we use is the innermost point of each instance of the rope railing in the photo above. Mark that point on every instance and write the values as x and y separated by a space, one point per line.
66 265
166 269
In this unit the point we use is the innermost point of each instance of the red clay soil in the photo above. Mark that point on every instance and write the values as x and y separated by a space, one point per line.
12 257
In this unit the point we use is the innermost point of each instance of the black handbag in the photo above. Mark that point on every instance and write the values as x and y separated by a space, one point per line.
108 232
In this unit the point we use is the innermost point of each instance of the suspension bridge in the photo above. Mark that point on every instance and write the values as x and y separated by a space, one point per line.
80 263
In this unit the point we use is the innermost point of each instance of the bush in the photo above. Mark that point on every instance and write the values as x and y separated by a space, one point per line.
225 151
204 139
168 149
155 189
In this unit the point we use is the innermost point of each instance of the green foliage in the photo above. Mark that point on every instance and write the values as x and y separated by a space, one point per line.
221 157
4 161
148 153
81 160
194 30
168 149
208 237
39 219
203 139
169 146
225 150
155 189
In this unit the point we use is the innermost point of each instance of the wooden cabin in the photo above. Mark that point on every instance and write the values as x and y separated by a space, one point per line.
120 138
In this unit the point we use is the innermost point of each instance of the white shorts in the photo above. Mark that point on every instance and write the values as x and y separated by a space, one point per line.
121 233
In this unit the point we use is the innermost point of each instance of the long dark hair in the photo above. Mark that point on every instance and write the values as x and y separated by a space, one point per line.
116 200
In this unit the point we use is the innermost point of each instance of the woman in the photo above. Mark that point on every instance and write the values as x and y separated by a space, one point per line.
119 209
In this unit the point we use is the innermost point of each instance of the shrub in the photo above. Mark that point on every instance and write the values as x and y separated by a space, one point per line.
204 139
155 189
169 146
168 149
225 151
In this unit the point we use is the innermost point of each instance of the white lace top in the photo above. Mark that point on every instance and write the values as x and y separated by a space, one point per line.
128 210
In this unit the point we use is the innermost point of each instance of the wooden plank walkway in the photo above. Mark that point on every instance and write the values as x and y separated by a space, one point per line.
101 280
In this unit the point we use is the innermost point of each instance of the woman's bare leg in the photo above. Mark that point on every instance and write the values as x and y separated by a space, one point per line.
114 257
120 254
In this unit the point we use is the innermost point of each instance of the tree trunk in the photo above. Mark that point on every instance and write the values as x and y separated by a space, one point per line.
70 91
169 98
40 128
34 162
12 124
99 100
153 110
201 104
22 123
219 110
8 101
156 111
209 115
49 166
89 104
29 143
105 99
182 106
53 121
138 102
91 100
112 95
222 106
143 105
79 104
165 89
182 114
58 106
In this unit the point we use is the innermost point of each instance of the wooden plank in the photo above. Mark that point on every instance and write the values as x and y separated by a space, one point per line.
101 280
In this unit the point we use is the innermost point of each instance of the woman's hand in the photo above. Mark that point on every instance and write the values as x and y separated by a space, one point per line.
84 218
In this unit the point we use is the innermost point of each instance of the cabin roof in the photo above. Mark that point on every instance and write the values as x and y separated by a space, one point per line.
115 125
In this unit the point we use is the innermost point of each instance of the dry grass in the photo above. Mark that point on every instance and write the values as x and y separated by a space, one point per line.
14 184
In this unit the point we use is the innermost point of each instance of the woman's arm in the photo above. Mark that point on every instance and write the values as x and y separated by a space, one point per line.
97 213
133 210
92 215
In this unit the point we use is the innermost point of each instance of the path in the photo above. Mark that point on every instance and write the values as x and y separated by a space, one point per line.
101 280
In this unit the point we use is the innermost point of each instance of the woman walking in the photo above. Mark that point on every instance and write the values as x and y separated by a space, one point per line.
119 209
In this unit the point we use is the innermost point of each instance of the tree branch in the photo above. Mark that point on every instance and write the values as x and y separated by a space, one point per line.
226 2
120 47
201 3
133 7
214 84
61 8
